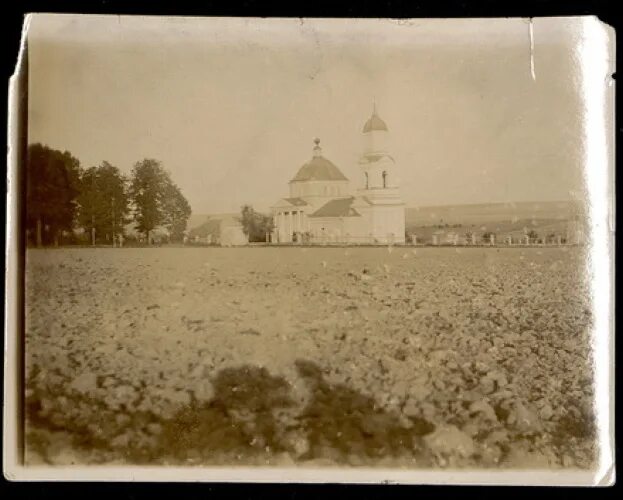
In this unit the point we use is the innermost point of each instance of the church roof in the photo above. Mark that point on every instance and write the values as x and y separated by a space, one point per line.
297 202
338 207
319 169
373 158
374 123
209 227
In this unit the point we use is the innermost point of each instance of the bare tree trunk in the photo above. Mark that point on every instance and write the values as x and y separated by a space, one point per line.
148 240
39 239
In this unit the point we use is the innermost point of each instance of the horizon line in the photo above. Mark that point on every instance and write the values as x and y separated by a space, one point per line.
575 201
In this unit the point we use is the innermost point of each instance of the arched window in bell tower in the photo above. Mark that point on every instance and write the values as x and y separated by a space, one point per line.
366 174
384 179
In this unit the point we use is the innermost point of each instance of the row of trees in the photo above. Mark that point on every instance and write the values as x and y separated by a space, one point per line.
62 196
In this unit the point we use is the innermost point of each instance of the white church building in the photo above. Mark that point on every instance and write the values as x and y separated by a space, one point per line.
322 209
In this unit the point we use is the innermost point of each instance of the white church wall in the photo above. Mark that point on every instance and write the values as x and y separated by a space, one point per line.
388 224
327 229
358 228
318 189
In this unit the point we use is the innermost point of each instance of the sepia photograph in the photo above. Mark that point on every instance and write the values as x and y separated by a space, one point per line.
348 250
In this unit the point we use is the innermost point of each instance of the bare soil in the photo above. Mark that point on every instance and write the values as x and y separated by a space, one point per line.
435 357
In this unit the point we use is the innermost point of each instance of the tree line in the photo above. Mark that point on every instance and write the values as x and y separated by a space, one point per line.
62 196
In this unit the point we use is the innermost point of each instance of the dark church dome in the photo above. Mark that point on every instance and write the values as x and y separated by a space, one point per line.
374 123
319 168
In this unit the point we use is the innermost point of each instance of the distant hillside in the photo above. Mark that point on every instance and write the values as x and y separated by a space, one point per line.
548 220
507 218
492 213
542 227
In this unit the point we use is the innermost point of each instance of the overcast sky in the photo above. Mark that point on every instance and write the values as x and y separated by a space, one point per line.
231 107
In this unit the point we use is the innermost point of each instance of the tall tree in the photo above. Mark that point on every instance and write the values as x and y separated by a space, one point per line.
157 200
52 185
176 211
103 201
148 178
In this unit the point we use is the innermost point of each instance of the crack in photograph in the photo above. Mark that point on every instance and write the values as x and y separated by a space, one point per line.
307 243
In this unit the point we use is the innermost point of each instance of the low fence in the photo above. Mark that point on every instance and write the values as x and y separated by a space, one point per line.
420 245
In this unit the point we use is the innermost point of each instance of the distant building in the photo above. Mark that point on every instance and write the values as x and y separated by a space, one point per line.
231 233
437 237
224 231
451 238
321 209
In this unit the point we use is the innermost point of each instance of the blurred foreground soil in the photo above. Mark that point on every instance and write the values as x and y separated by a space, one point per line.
428 357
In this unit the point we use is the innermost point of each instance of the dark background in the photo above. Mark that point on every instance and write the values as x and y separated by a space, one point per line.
14 12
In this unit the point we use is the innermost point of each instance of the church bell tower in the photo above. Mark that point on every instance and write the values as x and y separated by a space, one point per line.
379 185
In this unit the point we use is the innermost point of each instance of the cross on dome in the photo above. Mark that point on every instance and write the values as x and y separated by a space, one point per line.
317 148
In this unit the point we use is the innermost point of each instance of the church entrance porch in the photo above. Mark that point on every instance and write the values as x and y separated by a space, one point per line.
289 226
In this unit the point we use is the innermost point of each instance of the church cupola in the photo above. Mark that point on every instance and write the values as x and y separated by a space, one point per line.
374 123
375 134
318 178
376 162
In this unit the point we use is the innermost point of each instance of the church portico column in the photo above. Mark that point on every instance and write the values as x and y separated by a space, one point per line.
287 225
278 225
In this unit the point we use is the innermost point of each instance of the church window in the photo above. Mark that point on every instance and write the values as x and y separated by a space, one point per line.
384 179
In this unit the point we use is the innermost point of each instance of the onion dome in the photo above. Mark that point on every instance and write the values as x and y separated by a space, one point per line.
374 123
